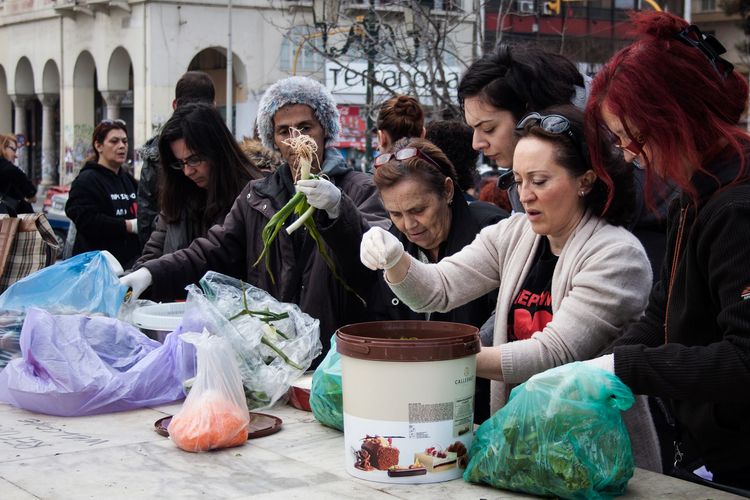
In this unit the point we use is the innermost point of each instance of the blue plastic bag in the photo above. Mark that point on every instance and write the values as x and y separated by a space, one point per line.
326 396
82 284
561 434
75 365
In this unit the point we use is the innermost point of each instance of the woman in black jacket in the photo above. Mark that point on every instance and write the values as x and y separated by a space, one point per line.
16 190
203 170
692 347
102 201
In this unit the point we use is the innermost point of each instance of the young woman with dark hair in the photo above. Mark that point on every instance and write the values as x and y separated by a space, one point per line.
672 103
102 201
203 170
400 116
569 277
501 87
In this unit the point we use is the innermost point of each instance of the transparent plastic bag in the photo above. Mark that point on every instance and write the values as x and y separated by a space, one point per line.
326 396
561 434
272 353
214 414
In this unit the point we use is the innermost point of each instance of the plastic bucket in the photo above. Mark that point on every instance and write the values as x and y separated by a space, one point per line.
159 320
408 390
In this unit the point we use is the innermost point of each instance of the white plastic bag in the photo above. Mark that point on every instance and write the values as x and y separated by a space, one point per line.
214 414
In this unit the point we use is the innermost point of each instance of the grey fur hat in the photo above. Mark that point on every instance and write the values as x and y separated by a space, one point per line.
298 90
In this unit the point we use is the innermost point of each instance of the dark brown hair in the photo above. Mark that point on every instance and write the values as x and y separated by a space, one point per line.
205 133
573 156
100 133
401 116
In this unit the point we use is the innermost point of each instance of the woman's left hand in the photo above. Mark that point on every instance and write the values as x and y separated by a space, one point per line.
606 362
321 194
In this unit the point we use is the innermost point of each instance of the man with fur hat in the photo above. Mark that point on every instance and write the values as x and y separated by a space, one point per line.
347 202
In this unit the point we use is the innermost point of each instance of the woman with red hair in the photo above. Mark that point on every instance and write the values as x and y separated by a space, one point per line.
670 102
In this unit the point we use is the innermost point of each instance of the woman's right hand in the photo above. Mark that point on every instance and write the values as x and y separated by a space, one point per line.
137 282
380 249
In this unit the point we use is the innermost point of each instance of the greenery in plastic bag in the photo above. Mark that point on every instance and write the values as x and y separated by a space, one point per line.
326 398
275 342
561 434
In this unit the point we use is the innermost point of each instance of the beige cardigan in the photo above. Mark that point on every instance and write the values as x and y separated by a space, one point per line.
600 284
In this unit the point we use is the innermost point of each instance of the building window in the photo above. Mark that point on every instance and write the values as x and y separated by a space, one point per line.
301 44
708 5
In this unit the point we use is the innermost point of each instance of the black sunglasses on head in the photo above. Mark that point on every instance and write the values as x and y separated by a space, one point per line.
552 124
709 46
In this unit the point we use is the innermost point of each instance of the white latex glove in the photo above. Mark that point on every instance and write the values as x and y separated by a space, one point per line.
137 281
380 249
606 362
321 194
132 225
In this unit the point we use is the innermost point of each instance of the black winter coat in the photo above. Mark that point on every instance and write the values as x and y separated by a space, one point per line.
99 203
692 347
302 276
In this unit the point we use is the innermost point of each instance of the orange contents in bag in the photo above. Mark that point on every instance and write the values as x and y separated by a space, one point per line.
212 422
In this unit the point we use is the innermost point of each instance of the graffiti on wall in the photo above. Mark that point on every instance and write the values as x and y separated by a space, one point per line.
77 148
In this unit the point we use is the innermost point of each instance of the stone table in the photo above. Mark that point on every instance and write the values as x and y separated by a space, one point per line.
120 456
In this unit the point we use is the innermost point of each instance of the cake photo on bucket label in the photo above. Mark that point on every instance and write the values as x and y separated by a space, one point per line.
376 453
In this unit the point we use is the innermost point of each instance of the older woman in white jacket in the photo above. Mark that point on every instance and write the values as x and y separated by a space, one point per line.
570 278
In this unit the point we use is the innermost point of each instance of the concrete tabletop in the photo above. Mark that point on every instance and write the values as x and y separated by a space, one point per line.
120 455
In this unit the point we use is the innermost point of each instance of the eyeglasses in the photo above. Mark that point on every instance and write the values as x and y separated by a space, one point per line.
192 161
552 124
12 148
117 121
405 154
710 46
634 147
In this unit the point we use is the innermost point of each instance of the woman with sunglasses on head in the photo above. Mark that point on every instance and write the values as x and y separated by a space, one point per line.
692 347
504 85
203 170
16 190
102 200
569 277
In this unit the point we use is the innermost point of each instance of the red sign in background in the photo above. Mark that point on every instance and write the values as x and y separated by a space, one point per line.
352 128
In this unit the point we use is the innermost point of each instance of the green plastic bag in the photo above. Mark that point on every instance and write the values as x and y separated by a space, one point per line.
326 398
561 434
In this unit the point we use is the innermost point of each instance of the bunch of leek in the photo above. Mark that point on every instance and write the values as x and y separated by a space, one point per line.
305 150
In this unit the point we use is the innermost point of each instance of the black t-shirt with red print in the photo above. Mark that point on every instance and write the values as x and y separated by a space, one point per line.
532 308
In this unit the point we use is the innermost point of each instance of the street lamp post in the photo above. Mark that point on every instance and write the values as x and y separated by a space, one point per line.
371 35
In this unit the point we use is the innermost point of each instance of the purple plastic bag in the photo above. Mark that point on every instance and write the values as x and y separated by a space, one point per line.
75 365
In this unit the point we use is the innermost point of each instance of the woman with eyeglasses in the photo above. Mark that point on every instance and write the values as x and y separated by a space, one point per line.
102 202
17 192
568 276
692 347
203 170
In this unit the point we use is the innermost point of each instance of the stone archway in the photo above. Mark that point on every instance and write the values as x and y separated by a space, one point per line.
118 95
24 104
50 99
213 60
83 112
6 105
